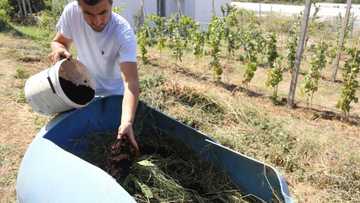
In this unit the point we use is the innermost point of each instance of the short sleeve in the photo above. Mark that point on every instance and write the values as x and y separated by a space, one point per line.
63 26
127 52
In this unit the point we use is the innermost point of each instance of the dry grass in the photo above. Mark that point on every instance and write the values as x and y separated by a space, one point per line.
296 141
167 171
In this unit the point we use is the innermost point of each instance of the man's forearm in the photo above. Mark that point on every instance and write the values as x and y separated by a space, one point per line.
129 104
60 48
57 45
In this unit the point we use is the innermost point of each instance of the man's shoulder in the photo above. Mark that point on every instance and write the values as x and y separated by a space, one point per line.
121 29
120 23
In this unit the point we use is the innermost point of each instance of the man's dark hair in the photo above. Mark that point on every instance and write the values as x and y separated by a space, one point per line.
94 2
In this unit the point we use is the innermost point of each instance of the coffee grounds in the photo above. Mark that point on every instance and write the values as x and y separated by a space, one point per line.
78 94
119 159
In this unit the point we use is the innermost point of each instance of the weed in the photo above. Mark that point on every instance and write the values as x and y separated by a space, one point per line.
40 121
21 98
21 73
4 151
151 82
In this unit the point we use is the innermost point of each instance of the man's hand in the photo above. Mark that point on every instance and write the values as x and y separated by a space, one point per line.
59 54
126 132
60 48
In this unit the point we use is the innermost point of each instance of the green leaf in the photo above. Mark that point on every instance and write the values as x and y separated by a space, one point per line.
146 163
144 189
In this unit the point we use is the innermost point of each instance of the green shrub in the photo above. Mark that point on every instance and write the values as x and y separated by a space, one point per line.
47 20
5 9
4 17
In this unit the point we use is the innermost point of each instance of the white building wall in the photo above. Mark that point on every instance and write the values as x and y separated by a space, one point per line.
203 10
131 8
188 8
199 10
171 7
150 7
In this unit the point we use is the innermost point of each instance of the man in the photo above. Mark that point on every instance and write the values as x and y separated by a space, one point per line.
106 45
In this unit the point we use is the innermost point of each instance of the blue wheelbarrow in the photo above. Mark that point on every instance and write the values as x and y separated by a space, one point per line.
52 170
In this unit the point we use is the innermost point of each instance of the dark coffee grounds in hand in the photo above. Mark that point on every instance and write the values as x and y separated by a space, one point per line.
119 159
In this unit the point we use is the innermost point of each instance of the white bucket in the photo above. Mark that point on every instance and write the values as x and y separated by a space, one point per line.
45 91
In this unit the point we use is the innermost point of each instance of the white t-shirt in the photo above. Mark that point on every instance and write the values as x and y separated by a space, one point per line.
101 52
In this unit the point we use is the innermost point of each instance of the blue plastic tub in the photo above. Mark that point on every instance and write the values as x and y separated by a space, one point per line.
51 170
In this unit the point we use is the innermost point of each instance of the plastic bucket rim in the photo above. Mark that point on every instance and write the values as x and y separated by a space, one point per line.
59 91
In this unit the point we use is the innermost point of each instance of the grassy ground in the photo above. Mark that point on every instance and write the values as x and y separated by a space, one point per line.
19 58
311 150
312 147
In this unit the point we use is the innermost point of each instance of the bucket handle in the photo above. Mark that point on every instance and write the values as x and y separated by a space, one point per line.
51 85
49 80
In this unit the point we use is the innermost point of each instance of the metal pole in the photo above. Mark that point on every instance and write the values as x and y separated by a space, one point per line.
142 14
213 8
299 52
259 10
178 4
341 41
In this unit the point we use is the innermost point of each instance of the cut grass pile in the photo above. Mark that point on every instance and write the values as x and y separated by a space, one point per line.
167 171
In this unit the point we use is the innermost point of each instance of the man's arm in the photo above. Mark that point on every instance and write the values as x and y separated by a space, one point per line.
60 48
131 94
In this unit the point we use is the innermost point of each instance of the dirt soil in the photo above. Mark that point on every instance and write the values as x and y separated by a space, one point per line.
18 124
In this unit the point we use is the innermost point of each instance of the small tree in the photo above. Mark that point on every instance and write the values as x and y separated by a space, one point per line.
179 31
177 45
275 77
271 49
291 47
198 39
318 63
158 28
187 26
143 41
249 41
331 53
250 70
351 70
216 28
231 32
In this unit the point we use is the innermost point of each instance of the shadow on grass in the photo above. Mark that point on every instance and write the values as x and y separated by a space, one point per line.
319 113
330 115
32 32
237 88
330 80
228 86
5 27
